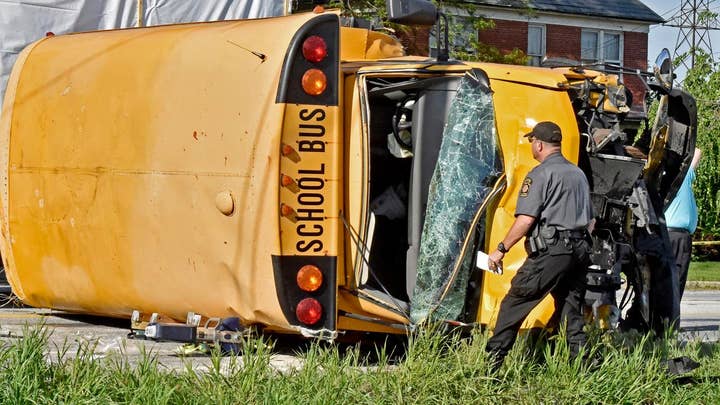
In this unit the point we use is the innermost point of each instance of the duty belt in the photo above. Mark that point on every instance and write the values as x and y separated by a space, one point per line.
572 234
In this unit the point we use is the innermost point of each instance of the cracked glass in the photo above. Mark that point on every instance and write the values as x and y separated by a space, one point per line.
468 165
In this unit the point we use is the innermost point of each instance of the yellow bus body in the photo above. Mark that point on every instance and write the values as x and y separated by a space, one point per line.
142 169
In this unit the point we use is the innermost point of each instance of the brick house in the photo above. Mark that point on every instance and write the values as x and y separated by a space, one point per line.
588 31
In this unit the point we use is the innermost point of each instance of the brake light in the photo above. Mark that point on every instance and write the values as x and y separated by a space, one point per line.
309 278
314 82
309 311
314 49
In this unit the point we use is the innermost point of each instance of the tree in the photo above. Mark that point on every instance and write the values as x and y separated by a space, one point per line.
703 82
464 25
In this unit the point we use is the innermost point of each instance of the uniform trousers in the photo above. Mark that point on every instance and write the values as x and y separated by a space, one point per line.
560 271
681 243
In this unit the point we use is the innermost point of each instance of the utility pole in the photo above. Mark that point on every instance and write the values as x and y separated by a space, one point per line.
695 21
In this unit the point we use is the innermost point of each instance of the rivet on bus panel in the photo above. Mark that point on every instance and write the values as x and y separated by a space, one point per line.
225 203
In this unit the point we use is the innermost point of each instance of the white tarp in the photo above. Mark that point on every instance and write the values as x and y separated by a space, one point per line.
24 22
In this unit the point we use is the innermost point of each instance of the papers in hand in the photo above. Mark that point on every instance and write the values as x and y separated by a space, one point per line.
483 262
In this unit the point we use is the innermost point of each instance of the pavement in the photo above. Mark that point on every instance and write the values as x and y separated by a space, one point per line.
107 338
700 315
71 334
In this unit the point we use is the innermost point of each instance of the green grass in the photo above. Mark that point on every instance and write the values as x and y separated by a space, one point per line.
434 369
704 271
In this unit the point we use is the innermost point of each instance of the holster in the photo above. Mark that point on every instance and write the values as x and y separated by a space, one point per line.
549 234
538 239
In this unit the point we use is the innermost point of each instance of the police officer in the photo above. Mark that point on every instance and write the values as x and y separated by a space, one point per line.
553 213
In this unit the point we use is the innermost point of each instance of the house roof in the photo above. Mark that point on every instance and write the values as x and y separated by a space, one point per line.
623 9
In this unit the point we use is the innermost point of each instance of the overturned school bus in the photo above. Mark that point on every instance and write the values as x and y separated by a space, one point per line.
300 176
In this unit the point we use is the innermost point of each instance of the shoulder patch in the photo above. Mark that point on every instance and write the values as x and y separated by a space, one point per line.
525 188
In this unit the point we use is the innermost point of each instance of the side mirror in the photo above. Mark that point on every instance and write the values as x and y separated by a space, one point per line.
411 12
663 70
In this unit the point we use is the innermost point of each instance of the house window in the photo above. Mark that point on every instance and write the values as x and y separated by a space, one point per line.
536 44
589 44
599 46
611 48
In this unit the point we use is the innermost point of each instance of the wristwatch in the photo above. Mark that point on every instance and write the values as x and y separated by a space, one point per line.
501 248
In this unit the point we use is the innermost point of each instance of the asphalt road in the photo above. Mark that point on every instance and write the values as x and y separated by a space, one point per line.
700 315
108 337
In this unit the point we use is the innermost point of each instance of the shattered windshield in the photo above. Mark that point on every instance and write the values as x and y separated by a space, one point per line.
468 165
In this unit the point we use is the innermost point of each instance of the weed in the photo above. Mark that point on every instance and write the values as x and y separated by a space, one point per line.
435 367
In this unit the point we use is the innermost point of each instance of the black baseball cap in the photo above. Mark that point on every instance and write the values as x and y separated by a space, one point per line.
546 131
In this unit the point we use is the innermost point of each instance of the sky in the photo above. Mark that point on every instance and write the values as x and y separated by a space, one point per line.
661 37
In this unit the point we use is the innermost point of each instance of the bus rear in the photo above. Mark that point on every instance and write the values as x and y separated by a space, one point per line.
175 169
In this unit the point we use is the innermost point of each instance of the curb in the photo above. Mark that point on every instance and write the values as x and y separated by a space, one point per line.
702 285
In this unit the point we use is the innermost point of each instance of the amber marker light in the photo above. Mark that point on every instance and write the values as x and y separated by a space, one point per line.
314 82
309 278
289 183
314 49
309 311
286 180
287 150
286 210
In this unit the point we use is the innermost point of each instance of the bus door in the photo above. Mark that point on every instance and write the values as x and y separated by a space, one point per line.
405 110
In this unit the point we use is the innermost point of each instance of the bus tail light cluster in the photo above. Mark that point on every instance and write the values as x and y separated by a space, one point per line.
311 67
314 50
309 279
307 290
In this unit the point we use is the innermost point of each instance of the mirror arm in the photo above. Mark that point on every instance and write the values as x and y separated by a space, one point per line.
643 78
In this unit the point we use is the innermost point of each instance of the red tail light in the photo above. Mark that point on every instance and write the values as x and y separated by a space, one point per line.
309 311
314 49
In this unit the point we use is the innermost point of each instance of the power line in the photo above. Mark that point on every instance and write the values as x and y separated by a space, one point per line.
671 11
695 21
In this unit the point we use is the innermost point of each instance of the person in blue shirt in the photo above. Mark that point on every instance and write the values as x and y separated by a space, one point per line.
681 217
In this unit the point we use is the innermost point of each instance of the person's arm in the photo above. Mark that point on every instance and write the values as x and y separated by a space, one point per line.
591 226
696 158
519 228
